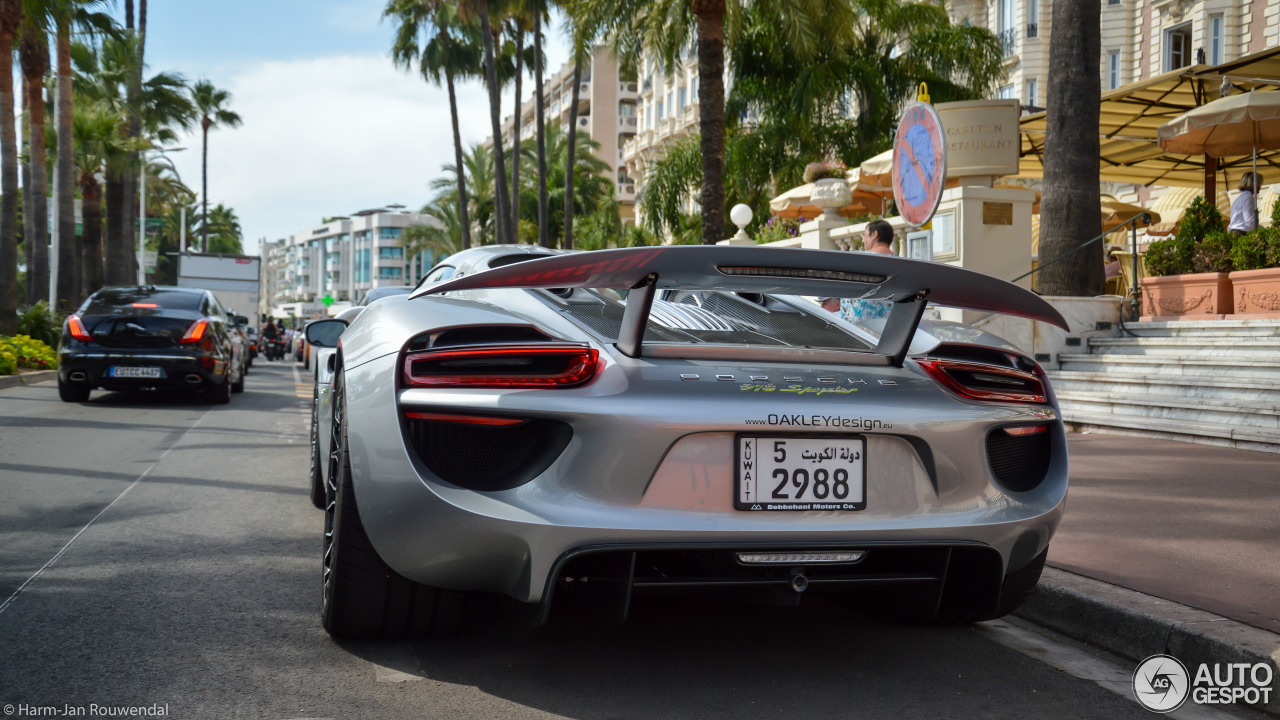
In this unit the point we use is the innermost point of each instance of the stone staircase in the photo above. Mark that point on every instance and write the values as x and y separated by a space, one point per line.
1210 382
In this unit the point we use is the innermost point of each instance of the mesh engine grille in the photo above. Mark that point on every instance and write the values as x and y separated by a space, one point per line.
1019 462
480 457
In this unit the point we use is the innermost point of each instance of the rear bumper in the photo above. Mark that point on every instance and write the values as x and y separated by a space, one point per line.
93 368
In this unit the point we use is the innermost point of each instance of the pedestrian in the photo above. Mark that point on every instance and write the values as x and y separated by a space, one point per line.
1112 268
829 304
876 238
1244 211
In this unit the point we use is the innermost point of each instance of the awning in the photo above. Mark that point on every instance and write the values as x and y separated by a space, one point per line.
1129 116
1173 203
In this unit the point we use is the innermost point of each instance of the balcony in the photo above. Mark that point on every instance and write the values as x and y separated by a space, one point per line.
627 90
626 123
1008 40
626 192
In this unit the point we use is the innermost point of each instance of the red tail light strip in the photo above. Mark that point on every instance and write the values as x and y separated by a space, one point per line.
196 332
945 373
465 419
76 326
502 366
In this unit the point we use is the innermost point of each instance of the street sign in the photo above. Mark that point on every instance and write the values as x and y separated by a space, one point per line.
919 163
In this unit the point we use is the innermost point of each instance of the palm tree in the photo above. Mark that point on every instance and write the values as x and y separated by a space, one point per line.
34 55
589 187
477 166
442 240
1070 214
544 238
211 106
10 21
134 130
452 50
483 9
224 227
96 138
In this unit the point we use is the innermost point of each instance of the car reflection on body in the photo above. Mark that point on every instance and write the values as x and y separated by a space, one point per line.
133 338
592 427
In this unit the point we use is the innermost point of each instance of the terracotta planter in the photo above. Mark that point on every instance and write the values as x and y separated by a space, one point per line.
1256 292
1203 296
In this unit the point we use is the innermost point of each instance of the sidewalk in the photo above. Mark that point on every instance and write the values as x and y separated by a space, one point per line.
1167 547
25 377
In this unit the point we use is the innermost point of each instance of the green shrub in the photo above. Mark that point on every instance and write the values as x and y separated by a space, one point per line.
1250 250
777 228
28 353
1213 254
40 322
8 360
1169 257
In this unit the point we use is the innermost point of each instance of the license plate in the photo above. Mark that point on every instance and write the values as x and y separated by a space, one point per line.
800 473
124 371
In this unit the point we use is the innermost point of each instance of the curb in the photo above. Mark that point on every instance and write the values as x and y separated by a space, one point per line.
27 378
1136 626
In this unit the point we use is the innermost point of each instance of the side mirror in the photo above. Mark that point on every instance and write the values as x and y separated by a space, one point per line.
241 320
325 333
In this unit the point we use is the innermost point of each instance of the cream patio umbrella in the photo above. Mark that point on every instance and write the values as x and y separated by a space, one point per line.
795 203
1229 126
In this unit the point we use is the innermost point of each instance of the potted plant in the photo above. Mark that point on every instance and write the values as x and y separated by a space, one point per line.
1190 271
1255 283
830 191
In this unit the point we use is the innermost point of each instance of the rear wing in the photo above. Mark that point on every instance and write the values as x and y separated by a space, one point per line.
908 284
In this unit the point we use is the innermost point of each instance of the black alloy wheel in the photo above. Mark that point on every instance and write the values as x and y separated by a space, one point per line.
319 491
362 596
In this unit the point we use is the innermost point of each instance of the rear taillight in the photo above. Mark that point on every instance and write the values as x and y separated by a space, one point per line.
502 366
76 327
987 383
195 333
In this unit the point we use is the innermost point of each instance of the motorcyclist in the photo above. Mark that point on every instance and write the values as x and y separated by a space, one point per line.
270 334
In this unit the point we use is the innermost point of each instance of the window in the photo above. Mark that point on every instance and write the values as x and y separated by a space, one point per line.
390 273
659 111
1215 39
1177 43
1005 93
389 232
1033 18
1113 70
391 252
671 107
1005 31
626 109
362 266
683 98
695 87
1031 93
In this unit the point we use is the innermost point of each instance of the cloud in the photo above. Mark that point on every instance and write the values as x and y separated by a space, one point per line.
329 136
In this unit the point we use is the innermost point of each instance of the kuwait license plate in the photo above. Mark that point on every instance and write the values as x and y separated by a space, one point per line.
800 473
126 371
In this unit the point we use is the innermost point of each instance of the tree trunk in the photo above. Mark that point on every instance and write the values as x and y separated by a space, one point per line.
495 112
35 61
68 243
26 293
204 187
1070 214
710 14
544 236
91 248
10 15
464 213
571 154
119 253
515 140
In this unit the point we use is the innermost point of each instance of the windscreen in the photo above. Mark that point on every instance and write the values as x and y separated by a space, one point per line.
120 300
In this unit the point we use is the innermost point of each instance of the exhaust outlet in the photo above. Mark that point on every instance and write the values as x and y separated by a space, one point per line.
77 376
194 379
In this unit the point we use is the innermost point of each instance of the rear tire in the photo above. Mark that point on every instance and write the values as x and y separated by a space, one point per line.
317 476
218 393
238 385
68 392
362 596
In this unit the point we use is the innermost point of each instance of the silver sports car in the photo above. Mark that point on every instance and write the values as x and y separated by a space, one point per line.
585 428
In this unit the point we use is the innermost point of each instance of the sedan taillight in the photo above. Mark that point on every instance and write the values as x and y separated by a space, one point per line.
502 366
987 383
76 326
195 333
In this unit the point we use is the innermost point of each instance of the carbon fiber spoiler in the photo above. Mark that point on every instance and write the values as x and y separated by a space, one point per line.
909 284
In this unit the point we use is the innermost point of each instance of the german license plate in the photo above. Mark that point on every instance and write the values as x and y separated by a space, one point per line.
800 473
126 371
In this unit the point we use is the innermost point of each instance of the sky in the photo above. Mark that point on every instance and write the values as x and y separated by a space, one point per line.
330 125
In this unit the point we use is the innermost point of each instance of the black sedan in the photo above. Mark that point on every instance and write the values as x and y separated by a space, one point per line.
133 338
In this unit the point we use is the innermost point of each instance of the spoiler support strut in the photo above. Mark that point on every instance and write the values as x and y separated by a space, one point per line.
635 318
900 327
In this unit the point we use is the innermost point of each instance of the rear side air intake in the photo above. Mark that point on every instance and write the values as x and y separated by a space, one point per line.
1020 456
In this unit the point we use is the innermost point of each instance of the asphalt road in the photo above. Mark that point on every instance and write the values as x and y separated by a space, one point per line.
160 553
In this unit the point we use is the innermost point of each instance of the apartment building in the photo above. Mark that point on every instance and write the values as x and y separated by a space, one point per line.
343 257
667 108
1140 38
606 113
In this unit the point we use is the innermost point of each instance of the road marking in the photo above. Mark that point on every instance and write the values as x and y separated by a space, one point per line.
1111 673
5 605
